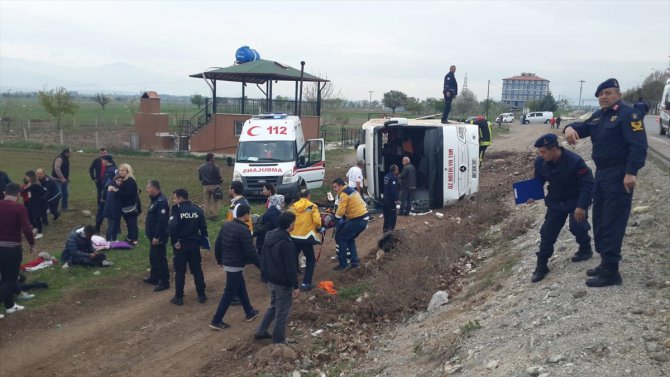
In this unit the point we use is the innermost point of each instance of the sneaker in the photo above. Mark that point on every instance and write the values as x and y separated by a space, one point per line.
219 325
107 263
14 309
340 268
334 258
177 301
202 299
2 316
25 296
253 315
38 236
65 266
160 288
262 336
306 287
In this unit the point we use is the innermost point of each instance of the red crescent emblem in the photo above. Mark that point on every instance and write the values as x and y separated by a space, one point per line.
250 129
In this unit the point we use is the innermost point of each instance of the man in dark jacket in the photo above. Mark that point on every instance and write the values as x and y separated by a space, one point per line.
79 250
97 171
569 196
235 249
109 171
188 228
210 178
278 270
641 107
156 229
484 136
61 174
407 180
450 91
390 198
53 194
4 181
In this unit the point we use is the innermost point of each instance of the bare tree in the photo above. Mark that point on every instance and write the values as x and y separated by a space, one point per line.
102 99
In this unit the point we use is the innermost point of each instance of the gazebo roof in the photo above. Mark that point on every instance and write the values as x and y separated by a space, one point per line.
257 72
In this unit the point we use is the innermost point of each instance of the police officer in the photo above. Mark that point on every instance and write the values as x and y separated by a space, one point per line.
450 91
641 107
187 229
569 195
156 229
619 152
390 198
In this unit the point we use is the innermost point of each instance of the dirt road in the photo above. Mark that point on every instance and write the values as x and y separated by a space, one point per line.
131 331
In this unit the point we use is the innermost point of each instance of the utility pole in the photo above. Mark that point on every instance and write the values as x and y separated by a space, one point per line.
487 99
579 104
370 103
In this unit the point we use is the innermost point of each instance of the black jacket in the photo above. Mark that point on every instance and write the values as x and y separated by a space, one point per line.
53 192
570 181
95 170
128 193
187 224
234 246
209 174
156 224
278 261
450 85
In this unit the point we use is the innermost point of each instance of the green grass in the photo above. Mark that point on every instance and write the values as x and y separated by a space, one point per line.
172 172
352 292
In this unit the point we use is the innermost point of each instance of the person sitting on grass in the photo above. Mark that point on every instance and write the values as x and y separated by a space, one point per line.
79 250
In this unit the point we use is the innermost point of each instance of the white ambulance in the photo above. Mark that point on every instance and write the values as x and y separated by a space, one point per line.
272 149
446 157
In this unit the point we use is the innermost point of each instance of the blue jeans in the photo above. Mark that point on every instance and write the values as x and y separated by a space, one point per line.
65 193
308 251
346 240
113 229
281 299
235 287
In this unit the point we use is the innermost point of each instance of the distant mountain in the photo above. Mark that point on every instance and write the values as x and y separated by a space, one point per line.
22 75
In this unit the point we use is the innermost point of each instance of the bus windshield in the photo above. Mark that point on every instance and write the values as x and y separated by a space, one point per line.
266 151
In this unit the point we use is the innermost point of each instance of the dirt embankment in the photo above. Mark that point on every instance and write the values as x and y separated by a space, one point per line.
503 325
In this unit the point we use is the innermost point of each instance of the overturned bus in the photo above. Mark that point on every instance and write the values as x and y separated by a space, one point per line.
446 157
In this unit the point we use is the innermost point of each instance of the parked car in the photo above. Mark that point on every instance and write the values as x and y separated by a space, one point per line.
538 117
505 118
664 110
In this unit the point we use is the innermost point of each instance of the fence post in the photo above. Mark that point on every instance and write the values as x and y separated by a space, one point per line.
96 121
115 122
97 140
25 135
61 137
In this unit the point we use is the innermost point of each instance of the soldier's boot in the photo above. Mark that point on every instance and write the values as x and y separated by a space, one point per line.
609 275
584 253
592 272
541 270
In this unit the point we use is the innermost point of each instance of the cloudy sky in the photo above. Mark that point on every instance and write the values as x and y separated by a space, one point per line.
361 46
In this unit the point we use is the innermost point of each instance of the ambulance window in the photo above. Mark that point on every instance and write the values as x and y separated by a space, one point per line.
238 127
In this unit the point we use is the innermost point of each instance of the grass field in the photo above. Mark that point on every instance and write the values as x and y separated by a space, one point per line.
172 173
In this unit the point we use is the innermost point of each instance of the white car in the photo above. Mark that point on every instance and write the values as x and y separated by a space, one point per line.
505 118
537 117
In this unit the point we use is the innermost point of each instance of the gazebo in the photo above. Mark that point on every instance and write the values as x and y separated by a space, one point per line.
217 130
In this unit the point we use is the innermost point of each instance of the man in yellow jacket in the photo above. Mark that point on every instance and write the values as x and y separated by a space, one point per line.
352 215
305 234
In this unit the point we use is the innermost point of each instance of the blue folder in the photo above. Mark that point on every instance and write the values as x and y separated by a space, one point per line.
529 189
